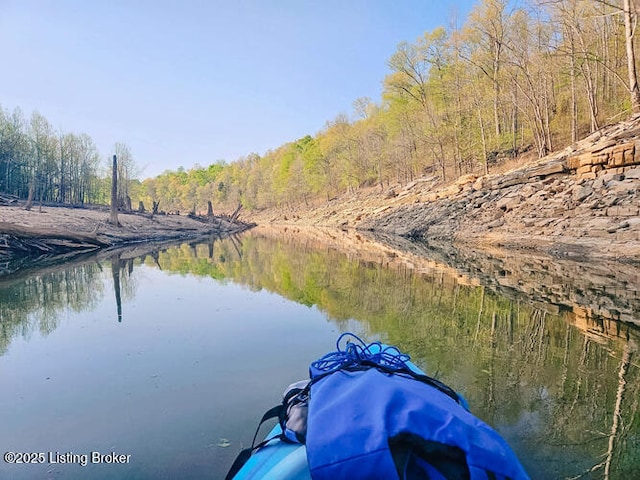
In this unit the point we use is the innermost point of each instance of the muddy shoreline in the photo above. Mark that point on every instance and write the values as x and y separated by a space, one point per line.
53 234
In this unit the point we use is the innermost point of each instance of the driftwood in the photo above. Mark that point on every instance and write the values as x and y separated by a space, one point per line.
48 233
226 224
17 240
236 213
8 199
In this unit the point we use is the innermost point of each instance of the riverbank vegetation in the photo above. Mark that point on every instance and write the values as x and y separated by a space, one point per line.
507 83
46 165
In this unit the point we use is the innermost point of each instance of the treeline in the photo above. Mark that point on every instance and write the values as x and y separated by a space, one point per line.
42 164
184 191
530 78
509 80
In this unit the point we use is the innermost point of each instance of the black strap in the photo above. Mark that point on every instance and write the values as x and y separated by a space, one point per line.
437 384
450 461
271 413
245 454
240 460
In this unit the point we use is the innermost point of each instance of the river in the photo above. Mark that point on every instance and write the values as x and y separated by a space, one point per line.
163 362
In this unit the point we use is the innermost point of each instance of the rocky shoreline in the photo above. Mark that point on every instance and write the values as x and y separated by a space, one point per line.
580 202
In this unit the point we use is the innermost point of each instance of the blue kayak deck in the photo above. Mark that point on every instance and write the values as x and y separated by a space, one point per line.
276 461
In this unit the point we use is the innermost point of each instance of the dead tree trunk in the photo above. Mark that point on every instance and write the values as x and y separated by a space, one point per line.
209 210
114 194
236 213
30 197
631 59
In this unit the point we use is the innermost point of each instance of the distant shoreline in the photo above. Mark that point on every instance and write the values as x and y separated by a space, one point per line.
66 231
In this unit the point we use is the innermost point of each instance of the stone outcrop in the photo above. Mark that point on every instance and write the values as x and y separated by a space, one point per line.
581 201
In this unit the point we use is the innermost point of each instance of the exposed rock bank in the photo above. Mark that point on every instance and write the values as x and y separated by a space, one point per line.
583 201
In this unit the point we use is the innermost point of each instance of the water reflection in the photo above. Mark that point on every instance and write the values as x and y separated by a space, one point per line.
33 300
545 349
33 303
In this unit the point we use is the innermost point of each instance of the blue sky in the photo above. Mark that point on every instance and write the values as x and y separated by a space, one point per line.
186 82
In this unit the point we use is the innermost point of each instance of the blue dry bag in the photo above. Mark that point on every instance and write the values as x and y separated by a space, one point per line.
372 416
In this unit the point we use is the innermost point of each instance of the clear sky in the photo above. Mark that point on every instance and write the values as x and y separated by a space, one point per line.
195 81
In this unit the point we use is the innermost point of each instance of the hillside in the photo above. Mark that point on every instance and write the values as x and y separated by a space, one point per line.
582 201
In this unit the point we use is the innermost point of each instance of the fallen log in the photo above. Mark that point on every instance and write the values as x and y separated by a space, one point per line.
40 234
236 213
18 241
8 199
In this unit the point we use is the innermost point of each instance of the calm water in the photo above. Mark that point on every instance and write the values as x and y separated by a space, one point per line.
172 357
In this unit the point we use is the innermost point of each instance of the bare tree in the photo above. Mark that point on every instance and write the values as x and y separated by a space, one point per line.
630 19
630 16
114 193
126 172
489 22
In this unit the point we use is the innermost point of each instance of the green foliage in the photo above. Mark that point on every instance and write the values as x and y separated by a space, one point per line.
454 101
511 78
182 189
56 167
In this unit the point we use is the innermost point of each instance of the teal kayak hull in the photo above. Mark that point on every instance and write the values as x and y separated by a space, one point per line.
276 461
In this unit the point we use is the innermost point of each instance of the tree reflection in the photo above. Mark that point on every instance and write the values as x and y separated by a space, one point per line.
116 266
556 377
630 348
35 303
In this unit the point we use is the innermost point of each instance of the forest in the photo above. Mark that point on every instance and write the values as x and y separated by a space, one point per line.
509 82
42 164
